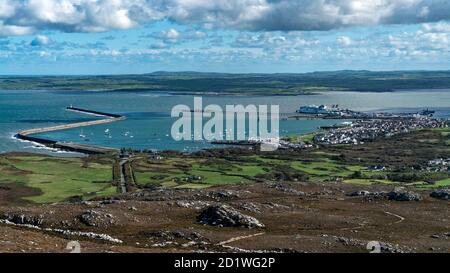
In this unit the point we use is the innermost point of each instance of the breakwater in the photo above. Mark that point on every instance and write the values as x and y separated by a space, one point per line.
91 112
72 146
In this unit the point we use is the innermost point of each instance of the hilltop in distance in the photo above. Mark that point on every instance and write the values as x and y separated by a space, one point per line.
198 83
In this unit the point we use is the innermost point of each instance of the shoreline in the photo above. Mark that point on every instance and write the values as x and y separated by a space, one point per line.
226 93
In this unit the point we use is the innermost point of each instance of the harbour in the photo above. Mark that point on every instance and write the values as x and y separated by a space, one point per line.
148 122
73 146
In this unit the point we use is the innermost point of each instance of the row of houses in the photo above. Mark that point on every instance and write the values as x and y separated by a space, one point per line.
365 130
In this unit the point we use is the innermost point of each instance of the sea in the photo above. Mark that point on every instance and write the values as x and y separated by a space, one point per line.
149 122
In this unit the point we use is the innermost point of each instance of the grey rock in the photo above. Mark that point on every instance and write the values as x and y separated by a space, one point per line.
111 201
223 194
22 219
192 204
283 188
252 207
441 194
226 216
403 196
390 248
359 193
94 218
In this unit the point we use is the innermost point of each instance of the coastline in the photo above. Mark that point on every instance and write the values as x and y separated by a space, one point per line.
227 93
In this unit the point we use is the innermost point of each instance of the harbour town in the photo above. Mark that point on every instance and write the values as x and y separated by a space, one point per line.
362 127
360 131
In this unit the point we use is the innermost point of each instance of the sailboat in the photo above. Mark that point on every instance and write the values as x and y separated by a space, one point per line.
108 133
83 136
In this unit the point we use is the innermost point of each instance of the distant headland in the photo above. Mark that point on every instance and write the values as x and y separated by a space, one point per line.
198 83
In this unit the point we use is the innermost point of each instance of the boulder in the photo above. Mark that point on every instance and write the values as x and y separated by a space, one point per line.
223 194
226 216
283 188
94 218
111 201
403 196
441 194
191 204
359 193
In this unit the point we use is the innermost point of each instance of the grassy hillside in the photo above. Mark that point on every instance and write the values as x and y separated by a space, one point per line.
268 84
57 179
45 179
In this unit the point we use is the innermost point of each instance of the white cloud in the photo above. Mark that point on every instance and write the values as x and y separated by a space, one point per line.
40 40
430 39
307 14
171 34
344 41
438 27
10 30
272 40
6 8
262 15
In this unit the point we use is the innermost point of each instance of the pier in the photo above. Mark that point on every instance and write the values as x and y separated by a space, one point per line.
73 146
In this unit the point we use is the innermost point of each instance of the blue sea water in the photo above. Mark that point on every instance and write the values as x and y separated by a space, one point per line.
149 123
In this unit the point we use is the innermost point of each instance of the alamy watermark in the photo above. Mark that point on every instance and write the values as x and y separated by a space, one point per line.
374 247
73 247
235 123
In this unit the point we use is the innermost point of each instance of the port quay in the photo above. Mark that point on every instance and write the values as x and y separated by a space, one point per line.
73 146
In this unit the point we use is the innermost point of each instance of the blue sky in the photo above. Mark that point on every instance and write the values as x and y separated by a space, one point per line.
123 36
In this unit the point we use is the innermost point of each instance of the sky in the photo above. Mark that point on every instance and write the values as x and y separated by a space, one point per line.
85 37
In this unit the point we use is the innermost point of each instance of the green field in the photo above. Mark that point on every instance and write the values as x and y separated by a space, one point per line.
437 184
191 173
58 178
404 158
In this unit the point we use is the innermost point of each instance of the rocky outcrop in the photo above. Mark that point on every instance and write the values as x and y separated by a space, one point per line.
226 216
224 194
192 204
359 193
403 196
111 201
383 246
22 219
441 194
396 195
283 188
249 206
94 218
